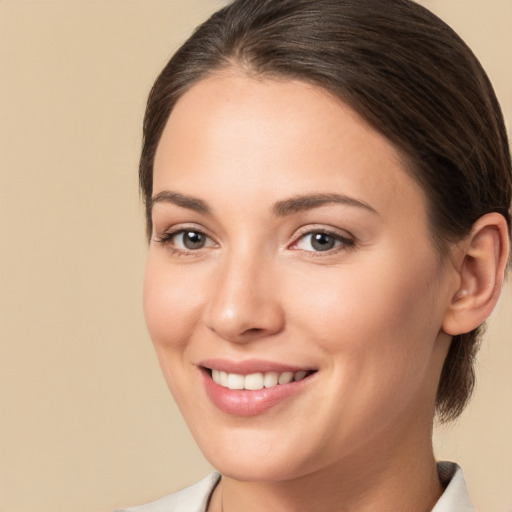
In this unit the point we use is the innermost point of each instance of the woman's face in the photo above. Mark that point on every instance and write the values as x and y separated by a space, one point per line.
290 243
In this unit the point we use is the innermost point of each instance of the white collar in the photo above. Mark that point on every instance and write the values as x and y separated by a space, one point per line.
455 497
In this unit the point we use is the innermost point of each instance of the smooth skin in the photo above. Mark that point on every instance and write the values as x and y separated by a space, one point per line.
371 308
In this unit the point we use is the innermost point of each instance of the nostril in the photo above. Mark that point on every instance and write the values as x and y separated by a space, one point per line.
253 330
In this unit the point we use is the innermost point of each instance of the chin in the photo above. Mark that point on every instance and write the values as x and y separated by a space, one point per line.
256 471
257 461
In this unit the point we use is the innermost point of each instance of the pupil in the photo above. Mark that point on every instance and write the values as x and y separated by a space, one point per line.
322 242
193 240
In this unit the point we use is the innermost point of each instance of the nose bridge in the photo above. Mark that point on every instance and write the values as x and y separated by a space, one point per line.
243 304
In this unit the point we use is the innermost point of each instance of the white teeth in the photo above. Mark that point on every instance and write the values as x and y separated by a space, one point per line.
271 379
223 379
255 381
299 375
236 381
285 377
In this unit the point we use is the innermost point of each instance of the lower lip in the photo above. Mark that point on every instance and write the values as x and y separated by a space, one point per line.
243 402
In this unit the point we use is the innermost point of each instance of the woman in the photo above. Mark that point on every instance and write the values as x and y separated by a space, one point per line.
327 187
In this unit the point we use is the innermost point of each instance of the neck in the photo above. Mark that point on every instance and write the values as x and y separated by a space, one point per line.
401 477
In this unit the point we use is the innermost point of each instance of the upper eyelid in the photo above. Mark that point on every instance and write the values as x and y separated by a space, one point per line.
330 230
168 233
179 228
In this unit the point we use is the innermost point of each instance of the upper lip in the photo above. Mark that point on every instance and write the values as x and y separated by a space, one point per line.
249 366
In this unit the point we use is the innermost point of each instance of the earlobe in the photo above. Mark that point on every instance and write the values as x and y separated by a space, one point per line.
481 273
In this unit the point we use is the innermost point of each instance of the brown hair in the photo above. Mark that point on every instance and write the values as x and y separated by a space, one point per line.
400 67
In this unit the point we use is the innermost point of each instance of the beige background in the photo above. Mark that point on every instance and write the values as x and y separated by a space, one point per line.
86 422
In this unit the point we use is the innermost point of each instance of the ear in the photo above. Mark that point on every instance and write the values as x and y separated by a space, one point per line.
481 269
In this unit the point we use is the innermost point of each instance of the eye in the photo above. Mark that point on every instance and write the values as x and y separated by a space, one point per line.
185 240
322 241
190 240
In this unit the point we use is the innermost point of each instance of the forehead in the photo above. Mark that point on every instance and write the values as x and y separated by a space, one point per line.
264 137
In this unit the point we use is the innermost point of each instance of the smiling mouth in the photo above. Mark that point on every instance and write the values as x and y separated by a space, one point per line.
256 381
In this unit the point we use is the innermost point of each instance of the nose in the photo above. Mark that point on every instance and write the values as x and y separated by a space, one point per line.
244 304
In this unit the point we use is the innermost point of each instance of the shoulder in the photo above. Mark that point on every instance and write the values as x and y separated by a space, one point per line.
191 499
455 497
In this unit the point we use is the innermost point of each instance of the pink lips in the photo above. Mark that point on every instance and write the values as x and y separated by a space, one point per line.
246 402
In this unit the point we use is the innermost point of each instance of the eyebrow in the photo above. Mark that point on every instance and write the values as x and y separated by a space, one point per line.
280 209
311 201
189 202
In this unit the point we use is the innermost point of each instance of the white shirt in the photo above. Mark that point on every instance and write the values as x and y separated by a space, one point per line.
195 498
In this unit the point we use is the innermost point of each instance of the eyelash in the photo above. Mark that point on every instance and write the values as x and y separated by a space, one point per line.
343 242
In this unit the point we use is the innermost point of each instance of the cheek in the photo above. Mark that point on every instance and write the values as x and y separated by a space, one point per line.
378 330
171 313
375 312
171 305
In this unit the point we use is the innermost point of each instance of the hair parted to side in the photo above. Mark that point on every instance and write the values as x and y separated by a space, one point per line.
403 70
